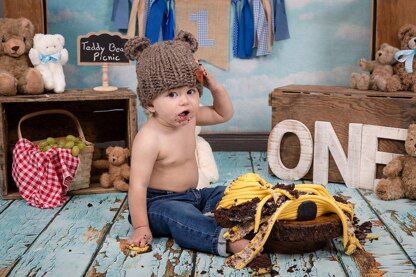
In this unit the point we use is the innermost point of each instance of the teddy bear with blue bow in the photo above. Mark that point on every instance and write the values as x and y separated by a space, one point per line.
48 55
405 57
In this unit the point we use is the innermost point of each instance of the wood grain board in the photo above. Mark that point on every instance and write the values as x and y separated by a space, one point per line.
389 16
82 237
339 106
95 111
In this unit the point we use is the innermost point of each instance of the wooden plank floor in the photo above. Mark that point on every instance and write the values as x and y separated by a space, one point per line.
82 238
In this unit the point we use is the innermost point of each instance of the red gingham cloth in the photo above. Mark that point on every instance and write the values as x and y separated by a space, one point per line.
43 178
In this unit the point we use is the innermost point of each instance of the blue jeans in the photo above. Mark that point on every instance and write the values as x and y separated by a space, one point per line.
182 216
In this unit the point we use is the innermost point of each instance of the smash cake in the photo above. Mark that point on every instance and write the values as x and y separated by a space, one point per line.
284 218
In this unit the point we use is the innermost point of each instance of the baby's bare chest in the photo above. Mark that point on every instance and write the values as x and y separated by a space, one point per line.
177 151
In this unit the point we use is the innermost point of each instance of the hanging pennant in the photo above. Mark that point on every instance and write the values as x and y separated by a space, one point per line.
209 22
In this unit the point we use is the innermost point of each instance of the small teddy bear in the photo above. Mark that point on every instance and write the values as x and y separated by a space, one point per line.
17 74
381 72
118 168
360 81
400 172
48 55
406 68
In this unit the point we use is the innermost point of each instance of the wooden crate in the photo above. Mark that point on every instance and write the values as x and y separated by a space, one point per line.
34 10
107 118
340 106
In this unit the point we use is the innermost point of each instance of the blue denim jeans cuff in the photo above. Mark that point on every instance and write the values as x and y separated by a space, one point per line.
222 243
186 217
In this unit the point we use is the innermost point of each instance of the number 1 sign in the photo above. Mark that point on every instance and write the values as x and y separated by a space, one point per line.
208 21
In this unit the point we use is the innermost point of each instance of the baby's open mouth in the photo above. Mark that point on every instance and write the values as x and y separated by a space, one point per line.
183 115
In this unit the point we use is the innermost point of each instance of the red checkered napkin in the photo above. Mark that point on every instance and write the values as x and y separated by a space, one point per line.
43 178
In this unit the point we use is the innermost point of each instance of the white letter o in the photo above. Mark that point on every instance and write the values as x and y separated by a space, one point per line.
306 150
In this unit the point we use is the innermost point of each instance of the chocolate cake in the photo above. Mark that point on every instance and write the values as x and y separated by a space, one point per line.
260 265
291 218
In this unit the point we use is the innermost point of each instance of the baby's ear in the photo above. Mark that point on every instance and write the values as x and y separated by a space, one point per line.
188 38
135 46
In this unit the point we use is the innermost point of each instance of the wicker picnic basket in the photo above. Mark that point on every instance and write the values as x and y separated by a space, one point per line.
82 177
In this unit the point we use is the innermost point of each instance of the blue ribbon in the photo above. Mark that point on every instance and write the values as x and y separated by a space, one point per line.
235 27
50 58
245 32
154 20
406 56
168 24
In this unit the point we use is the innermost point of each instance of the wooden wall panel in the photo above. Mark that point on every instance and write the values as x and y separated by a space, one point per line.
34 10
389 16
340 106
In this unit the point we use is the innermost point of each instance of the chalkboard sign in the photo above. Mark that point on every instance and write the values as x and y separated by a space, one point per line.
100 48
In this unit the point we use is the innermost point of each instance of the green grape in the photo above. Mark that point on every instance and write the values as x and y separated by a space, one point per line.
47 148
50 140
69 145
81 145
75 151
43 143
70 138
61 143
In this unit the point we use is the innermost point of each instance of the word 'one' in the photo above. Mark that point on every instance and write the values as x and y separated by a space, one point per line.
357 170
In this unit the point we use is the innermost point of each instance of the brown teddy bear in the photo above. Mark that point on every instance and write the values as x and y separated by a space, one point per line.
381 72
407 38
118 168
17 74
400 172
360 81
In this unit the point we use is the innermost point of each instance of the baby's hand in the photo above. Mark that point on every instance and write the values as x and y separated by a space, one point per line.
141 237
208 80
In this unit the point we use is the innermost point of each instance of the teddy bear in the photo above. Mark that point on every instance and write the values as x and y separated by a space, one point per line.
404 68
360 81
48 55
400 172
207 168
381 71
118 168
17 74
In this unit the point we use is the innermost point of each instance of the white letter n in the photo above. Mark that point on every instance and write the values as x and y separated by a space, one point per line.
327 141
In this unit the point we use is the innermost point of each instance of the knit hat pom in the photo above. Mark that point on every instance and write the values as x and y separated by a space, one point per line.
135 46
188 38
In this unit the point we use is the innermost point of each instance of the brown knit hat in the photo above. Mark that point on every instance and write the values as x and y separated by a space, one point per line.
164 65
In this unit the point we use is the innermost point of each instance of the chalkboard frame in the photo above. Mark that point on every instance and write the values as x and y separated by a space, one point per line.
81 59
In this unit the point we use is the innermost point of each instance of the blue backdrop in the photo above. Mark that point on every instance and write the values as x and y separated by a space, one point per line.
327 39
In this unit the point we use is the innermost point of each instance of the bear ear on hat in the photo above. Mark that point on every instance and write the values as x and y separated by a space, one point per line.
135 46
188 38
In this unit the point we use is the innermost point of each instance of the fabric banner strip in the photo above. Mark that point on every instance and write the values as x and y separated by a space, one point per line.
209 22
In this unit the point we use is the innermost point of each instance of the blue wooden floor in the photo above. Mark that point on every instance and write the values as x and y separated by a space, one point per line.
82 238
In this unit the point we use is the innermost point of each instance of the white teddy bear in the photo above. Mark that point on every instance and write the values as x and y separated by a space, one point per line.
48 55
207 168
